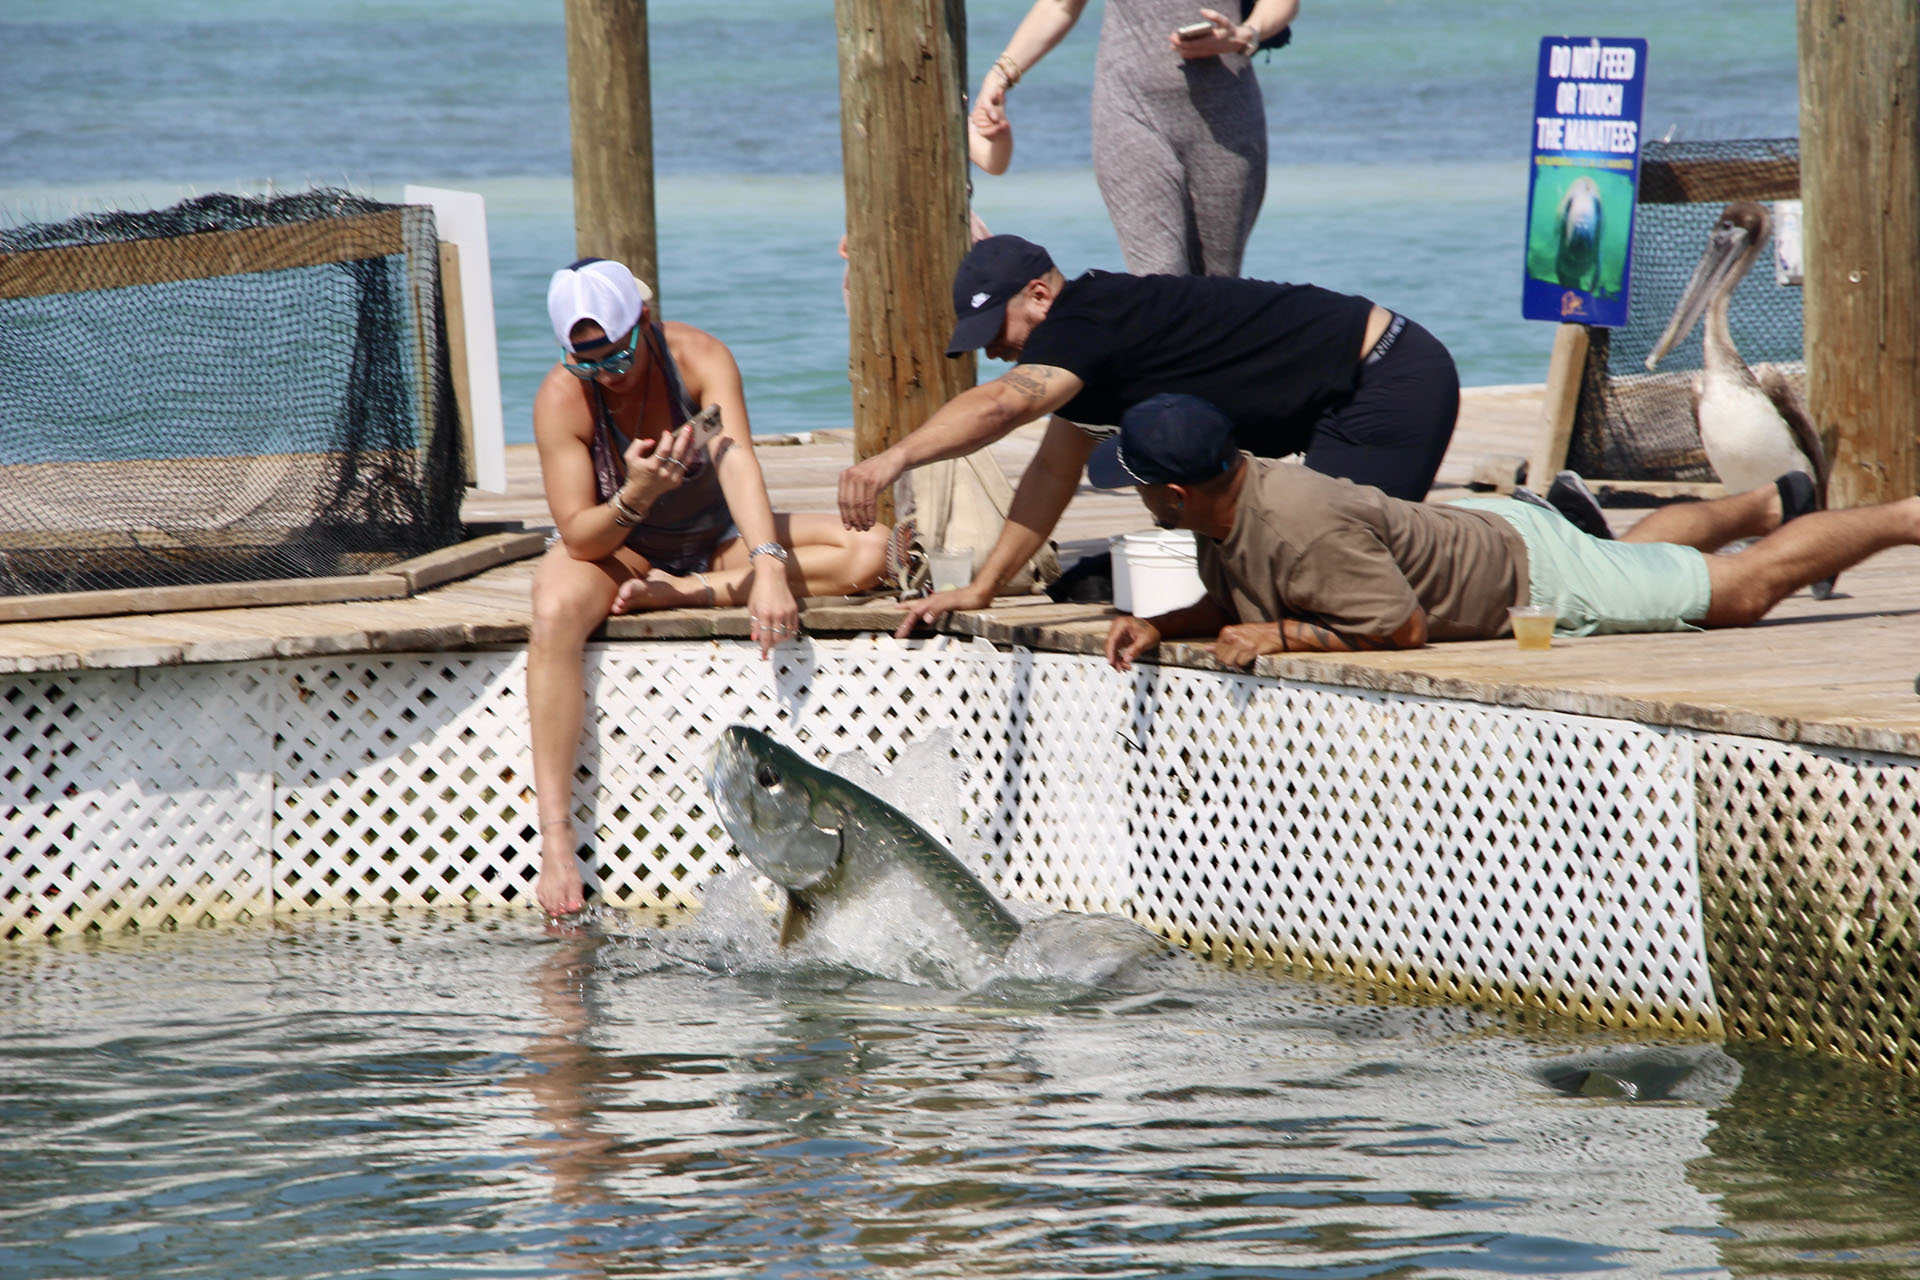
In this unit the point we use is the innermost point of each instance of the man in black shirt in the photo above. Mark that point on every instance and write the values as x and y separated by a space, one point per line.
1363 393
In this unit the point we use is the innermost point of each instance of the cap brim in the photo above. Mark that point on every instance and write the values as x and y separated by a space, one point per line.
976 329
1104 468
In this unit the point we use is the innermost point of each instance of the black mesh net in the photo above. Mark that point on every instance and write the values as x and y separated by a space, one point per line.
227 390
1636 425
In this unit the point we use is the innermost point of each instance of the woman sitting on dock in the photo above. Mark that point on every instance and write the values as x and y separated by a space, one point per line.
648 515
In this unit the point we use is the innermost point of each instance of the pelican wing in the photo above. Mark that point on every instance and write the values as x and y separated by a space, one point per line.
1786 399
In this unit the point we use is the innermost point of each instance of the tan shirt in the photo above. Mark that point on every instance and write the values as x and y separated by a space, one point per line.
1348 556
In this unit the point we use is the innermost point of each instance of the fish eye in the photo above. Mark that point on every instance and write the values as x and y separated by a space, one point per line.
767 776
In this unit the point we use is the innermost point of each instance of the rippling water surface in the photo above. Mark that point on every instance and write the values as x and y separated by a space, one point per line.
434 1096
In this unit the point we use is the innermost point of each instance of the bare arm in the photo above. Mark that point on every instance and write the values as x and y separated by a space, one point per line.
1241 643
1045 26
971 420
1043 493
562 432
1129 637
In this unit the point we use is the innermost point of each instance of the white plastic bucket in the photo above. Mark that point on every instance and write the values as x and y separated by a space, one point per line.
1122 588
1162 572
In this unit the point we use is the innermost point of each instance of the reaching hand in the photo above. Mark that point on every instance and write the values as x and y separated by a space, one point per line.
771 611
860 488
1128 638
927 609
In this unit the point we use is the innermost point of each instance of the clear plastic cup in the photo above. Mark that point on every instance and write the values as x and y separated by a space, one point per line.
950 567
1533 625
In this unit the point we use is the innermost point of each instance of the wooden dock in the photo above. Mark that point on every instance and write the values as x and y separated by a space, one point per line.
1837 673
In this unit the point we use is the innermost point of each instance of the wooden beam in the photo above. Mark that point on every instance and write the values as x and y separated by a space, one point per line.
903 147
1565 369
1686 181
1860 160
451 306
125 264
610 96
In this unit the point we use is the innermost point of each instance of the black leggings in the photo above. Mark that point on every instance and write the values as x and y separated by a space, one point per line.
1393 430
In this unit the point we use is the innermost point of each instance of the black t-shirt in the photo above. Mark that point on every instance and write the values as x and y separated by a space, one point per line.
1273 357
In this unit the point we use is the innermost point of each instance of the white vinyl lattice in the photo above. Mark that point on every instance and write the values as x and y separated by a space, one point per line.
1810 865
1463 851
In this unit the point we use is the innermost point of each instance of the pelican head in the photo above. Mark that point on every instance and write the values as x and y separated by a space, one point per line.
1732 245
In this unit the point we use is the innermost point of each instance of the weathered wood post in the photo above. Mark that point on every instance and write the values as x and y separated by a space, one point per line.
904 152
1860 192
610 96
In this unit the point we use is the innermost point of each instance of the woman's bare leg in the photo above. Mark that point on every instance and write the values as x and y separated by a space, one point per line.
829 559
570 599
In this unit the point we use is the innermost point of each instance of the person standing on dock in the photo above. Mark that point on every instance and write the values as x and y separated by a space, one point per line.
1360 391
649 516
1294 561
1179 125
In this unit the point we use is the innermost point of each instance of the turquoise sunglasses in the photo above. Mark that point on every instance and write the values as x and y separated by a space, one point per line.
618 362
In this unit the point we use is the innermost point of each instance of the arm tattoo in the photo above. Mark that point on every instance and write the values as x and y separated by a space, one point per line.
1029 381
1326 640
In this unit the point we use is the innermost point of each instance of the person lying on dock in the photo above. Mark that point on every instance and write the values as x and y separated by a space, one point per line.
649 514
1360 391
1294 561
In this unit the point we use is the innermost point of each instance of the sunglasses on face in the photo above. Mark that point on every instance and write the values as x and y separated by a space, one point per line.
618 362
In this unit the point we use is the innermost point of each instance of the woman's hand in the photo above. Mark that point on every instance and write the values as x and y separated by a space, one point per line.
989 114
656 466
771 609
1227 36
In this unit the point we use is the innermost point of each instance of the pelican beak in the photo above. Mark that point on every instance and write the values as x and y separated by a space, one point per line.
1726 251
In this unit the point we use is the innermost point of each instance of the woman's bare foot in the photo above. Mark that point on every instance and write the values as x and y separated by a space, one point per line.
558 885
660 590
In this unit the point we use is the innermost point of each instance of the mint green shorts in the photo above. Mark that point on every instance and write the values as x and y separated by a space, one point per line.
1599 587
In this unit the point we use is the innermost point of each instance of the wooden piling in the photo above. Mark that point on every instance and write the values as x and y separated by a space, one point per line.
1860 184
611 105
904 150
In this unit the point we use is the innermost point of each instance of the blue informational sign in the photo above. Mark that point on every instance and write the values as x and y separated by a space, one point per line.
1585 175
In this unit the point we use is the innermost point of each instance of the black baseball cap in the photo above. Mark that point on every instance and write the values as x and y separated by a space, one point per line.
1165 439
992 272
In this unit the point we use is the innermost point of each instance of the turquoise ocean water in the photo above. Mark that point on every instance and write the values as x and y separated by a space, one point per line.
1399 130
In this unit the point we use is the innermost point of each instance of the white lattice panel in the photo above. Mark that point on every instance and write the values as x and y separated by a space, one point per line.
1810 864
1480 854
1466 851
133 798
402 781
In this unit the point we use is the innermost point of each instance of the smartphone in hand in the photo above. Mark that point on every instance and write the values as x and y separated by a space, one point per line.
706 425
1193 30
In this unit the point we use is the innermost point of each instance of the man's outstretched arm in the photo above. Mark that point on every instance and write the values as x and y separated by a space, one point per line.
971 420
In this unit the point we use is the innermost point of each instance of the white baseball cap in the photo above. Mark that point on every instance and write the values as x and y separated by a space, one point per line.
595 289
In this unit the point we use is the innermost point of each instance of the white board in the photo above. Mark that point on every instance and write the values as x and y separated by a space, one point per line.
460 217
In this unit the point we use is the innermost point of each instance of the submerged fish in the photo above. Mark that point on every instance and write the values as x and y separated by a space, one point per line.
865 884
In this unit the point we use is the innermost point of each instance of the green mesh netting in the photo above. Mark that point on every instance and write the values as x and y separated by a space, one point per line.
230 389
1636 425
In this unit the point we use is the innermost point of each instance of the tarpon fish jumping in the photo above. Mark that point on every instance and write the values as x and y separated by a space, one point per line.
866 884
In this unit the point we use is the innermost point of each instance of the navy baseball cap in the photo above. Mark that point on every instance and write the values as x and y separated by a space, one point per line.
1165 439
992 272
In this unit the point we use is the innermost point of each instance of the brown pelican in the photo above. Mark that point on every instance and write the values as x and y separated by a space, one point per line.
1576 262
1753 428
